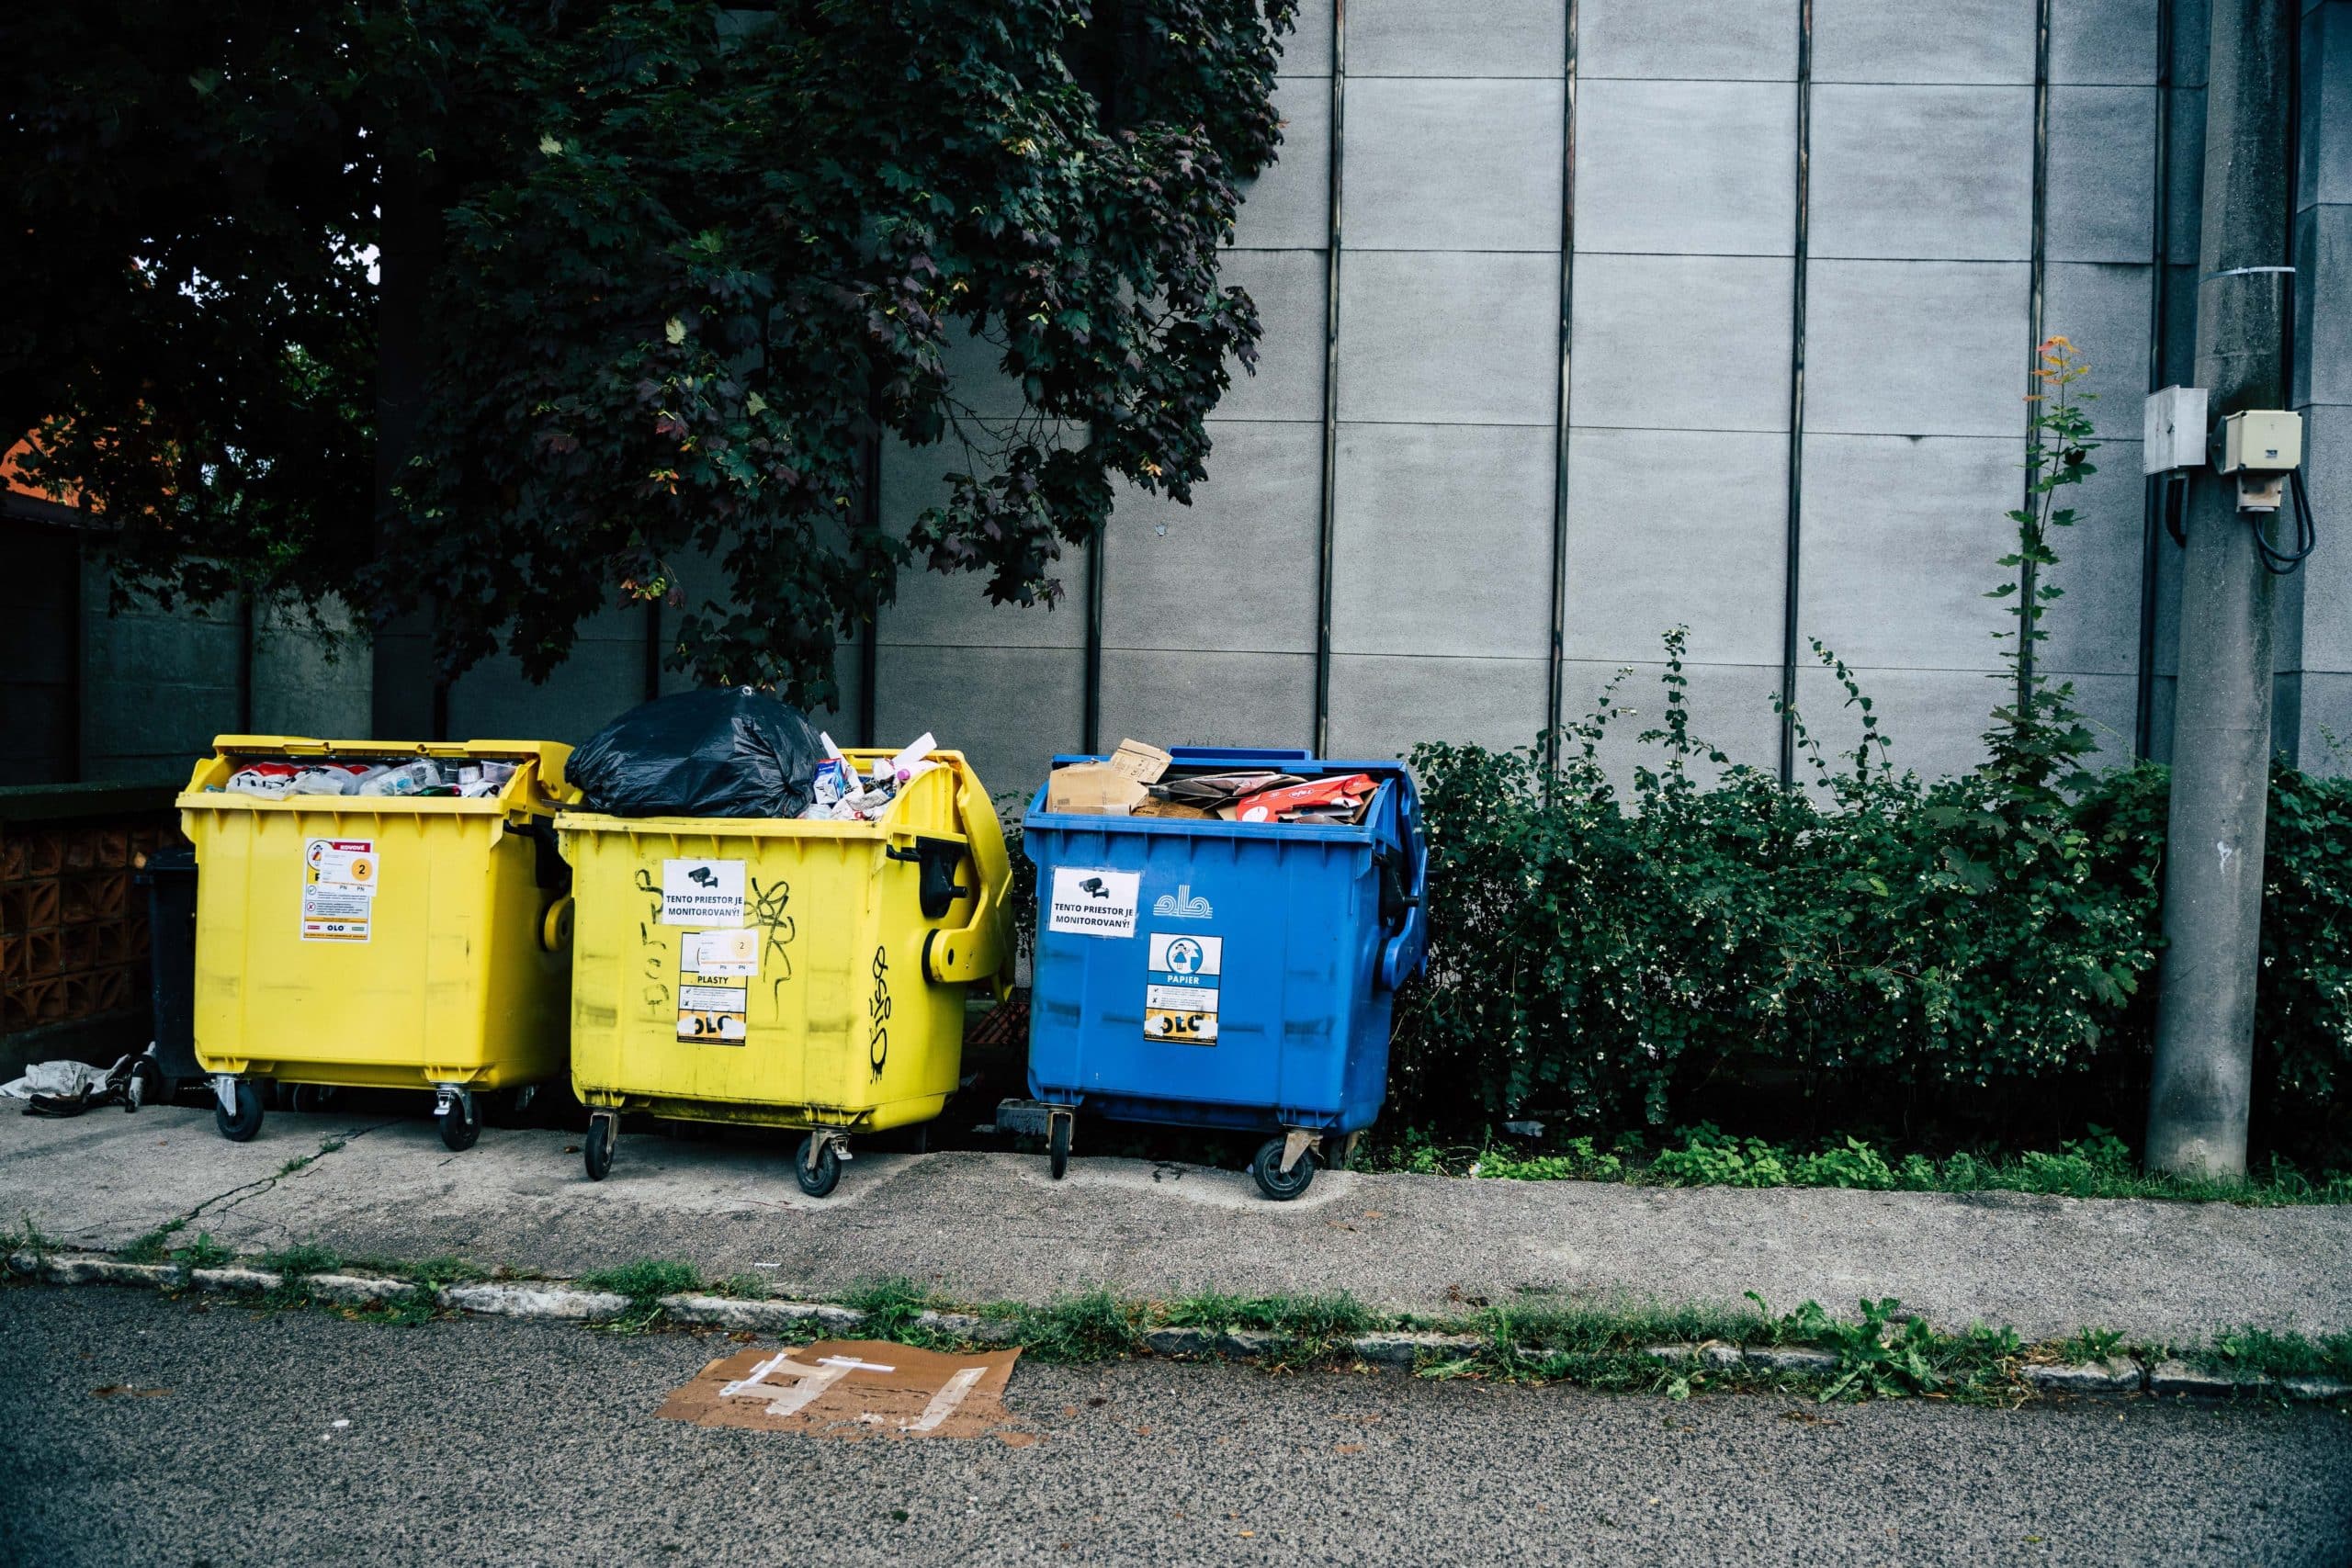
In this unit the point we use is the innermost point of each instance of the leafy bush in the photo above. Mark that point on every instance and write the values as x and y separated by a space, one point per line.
1598 958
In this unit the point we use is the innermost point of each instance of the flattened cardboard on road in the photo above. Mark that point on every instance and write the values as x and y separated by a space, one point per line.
853 1389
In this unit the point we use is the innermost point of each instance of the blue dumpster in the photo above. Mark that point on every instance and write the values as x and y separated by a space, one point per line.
1218 973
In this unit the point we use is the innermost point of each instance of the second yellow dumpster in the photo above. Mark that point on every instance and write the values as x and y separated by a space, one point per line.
784 972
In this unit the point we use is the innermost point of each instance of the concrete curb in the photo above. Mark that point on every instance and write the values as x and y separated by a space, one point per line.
560 1301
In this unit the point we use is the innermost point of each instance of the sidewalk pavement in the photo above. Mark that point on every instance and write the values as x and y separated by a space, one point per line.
979 1227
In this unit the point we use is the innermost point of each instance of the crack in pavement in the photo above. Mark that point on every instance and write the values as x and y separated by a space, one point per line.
255 1188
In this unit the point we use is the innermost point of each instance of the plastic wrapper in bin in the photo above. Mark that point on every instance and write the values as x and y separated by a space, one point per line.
731 753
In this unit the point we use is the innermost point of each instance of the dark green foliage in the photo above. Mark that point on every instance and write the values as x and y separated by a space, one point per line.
192 326
657 282
1599 959
1912 946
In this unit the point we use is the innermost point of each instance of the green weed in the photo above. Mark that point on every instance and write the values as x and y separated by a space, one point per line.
202 1253
891 1305
2098 1165
2094 1345
27 1237
1095 1326
645 1281
2249 1353
303 1257
153 1246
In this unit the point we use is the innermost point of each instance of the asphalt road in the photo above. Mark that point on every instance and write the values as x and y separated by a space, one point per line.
219 1440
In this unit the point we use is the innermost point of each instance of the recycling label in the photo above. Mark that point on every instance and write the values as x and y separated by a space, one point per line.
1180 985
339 880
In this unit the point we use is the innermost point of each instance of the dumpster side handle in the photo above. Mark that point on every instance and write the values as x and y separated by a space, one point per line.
980 949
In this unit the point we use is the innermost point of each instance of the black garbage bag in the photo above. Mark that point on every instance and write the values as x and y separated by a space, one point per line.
731 753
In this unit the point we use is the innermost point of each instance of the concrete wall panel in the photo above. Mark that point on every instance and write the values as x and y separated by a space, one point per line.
1681 343
1444 540
1450 337
1288 207
1916 348
2323 288
1452 164
1208 699
1941 173
1382 706
1671 527
1008 710
1461 38
2095 628
2327 576
1730 708
1953 42
2103 310
2102 174
1900 539
1753 41
2325 163
1686 167
303 685
1234 572
1287 288
1306 48
935 607
2110 41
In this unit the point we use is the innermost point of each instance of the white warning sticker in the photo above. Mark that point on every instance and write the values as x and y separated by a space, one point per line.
339 882
1088 902
703 892
1180 986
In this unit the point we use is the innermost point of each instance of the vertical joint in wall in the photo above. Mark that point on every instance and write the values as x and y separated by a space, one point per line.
2028 584
1329 517
1556 693
2155 488
1791 557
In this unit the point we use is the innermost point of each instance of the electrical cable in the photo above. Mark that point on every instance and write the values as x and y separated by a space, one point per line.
2174 500
2277 562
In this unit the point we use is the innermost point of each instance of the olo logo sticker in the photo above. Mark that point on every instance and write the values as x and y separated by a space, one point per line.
338 889
1180 993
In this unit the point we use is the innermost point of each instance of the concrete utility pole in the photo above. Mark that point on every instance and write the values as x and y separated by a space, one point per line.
2221 746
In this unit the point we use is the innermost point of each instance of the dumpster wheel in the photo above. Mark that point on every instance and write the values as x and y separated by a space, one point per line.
819 1172
460 1121
1276 1182
597 1149
1057 1142
240 1127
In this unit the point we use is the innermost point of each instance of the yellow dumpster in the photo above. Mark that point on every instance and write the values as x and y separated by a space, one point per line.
383 941
785 973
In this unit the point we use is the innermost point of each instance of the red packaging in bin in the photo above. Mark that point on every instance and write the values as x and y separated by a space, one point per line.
1345 794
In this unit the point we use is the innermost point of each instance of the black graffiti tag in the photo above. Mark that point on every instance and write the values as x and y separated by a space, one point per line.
767 912
877 1043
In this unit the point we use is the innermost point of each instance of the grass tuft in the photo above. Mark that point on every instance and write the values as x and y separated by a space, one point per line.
154 1247
646 1280
202 1253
